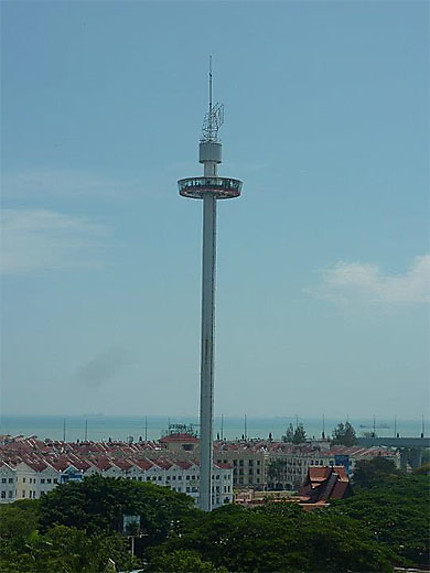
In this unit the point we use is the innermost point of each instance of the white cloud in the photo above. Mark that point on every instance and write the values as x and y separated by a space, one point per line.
65 183
38 239
346 283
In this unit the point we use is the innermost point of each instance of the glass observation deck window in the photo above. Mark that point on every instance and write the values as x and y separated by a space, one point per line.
220 187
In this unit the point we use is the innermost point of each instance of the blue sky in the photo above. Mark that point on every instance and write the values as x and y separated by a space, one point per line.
323 263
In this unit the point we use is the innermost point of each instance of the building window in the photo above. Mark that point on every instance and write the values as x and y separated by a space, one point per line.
49 480
11 493
3 495
3 480
23 480
42 493
23 493
42 480
10 480
55 480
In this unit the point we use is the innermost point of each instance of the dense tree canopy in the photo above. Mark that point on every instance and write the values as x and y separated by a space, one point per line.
397 510
98 505
368 473
76 528
281 537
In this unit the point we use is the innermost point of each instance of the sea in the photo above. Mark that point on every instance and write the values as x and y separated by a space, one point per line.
126 428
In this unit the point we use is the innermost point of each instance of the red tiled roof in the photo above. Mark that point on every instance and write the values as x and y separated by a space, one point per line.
183 464
163 463
123 464
143 464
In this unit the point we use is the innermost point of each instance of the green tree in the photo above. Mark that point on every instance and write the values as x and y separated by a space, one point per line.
181 561
344 435
97 505
289 435
19 519
281 537
62 549
299 436
396 510
370 472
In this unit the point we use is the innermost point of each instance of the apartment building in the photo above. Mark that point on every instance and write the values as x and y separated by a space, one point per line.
249 461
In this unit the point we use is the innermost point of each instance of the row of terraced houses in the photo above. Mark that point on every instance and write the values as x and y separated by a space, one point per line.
29 467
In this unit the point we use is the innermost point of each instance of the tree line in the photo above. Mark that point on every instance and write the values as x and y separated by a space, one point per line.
78 528
343 434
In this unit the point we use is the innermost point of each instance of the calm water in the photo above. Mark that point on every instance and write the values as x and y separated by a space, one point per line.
101 428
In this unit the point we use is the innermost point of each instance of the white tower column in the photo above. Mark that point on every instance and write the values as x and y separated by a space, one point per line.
208 344
210 188
207 352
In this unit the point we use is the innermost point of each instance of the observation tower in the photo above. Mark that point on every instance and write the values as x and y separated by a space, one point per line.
210 188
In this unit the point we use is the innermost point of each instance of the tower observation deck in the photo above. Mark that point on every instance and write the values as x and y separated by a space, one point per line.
210 187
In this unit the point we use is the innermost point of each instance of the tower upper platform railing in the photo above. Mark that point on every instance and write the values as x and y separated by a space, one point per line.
219 187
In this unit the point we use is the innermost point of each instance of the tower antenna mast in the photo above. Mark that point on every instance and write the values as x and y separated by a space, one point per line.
210 92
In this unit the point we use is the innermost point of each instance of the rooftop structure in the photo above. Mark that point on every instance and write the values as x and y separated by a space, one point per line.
323 484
